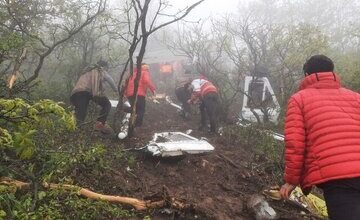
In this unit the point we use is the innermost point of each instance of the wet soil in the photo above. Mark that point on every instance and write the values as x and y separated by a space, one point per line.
216 185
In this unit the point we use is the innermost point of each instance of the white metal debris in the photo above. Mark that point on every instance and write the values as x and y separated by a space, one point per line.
167 98
275 135
125 122
169 144
114 103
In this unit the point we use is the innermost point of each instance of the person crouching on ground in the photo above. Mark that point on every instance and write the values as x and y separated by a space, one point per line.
205 92
183 95
90 87
322 140
145 83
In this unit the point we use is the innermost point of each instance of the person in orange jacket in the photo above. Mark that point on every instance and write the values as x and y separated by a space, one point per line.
322 140
205 92
145 83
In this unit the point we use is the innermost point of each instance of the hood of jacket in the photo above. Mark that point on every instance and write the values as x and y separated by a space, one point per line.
323 80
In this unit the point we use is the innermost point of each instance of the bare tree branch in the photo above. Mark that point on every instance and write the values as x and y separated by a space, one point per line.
89 19
188 10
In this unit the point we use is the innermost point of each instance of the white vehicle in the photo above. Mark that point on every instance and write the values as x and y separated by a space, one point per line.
259 97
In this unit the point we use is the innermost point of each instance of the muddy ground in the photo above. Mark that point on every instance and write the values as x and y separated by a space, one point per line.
215 185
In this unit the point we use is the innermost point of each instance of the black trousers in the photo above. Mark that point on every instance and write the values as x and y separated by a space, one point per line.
81 102
183 96
140 108
209 106
342 198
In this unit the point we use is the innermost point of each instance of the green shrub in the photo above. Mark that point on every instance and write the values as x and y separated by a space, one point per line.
260 143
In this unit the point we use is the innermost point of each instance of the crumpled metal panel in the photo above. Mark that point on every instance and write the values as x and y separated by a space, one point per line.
169 144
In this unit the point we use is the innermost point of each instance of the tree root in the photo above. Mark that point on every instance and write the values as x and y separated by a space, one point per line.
138 204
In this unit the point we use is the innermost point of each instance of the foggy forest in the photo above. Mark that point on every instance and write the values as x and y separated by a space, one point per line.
169 109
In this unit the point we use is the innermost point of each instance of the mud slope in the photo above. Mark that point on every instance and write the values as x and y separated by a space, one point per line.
216 185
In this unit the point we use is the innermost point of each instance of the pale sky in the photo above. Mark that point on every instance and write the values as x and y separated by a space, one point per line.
208 7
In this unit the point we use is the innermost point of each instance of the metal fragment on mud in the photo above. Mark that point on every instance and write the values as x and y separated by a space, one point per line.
170 144
168 99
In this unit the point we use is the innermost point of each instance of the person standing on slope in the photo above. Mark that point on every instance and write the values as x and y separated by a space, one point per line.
145 83
90 87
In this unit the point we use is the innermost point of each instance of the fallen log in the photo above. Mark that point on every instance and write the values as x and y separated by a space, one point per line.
14 183
138 204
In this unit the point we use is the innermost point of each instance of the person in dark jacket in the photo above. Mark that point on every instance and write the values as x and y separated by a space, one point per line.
183 94
90 87
322 140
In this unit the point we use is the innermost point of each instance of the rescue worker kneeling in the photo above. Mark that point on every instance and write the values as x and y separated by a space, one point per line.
205 92
183 95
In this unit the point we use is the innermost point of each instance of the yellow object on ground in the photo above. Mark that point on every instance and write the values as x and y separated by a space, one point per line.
312 203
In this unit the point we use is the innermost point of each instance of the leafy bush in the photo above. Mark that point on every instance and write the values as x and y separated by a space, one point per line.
25 125
30 136
260 142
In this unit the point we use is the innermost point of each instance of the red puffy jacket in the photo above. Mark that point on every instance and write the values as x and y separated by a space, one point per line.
322 132
144 83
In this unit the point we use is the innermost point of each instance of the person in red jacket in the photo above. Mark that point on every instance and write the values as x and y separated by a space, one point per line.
322 140
145 83
205 92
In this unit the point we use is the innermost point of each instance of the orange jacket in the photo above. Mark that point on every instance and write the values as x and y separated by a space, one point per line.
206 87
322 132
144 83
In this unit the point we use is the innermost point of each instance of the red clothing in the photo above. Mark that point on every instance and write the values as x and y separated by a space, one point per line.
206 87
144 83
322 132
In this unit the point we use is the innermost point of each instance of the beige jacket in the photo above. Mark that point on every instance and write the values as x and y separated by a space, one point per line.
92 82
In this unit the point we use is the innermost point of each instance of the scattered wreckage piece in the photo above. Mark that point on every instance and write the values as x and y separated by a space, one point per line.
155 99
170 144
276 136
168 100
261 208
113 103
125 122
311 203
